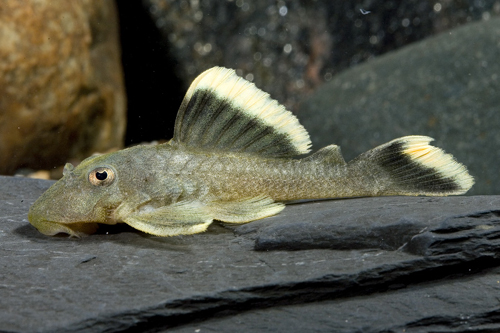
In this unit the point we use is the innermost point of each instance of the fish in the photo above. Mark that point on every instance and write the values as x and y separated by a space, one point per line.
233 158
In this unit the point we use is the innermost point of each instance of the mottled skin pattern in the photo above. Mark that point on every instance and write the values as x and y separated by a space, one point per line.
156 176
231 159
177 174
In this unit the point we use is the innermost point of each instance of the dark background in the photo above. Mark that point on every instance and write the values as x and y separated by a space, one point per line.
153 90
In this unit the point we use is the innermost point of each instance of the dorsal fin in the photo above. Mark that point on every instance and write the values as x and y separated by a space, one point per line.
327 155
222 111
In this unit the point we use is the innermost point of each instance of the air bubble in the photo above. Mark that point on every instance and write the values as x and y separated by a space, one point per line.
283 10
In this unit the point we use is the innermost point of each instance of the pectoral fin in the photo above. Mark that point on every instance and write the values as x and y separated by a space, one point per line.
182 218
191 217
245 210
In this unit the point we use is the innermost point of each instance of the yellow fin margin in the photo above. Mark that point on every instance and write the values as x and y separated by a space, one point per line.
237 94
420 151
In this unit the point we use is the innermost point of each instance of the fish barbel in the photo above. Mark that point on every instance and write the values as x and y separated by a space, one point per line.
231 159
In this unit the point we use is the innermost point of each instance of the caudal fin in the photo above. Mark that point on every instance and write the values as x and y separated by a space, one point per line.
411 166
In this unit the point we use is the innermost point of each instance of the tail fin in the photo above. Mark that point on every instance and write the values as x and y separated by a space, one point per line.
410 166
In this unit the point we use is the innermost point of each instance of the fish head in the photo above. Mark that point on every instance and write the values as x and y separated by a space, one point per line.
82 198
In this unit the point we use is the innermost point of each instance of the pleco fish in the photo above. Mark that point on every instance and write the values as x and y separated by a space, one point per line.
231 160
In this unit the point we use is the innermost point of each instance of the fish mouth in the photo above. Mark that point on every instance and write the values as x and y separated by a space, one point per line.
74 229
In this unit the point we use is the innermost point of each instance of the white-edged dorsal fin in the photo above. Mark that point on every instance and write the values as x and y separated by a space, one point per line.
222 111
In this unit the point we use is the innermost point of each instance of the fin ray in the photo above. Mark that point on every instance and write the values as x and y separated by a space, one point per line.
224 112
182 218
413 167
245 210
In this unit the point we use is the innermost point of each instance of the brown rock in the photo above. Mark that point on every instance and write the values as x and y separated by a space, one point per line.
61 85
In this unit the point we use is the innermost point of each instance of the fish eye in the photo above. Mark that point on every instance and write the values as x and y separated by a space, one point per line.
101 176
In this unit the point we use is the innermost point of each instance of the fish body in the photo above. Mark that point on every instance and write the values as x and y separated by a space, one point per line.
232 159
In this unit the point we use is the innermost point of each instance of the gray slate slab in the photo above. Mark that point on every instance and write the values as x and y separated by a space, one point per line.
360 265
444 86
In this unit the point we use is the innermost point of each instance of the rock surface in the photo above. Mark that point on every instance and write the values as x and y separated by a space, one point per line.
445 87
369 264
61 85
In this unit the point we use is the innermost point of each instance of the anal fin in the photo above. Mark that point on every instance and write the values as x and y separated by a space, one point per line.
181 218
245 210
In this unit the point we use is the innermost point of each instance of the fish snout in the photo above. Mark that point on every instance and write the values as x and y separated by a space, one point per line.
38 217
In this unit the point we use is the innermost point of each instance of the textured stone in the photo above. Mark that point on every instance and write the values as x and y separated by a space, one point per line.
467 304
444 87
443 277
61 86
406 224
291 47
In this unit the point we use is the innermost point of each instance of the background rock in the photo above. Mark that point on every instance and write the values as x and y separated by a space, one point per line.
288 48
302 46
61 85
444 277
291 47
445 87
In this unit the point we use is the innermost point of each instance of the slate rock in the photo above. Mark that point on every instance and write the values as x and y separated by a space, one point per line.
440 273
61 85
466 304
444 87
405 224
